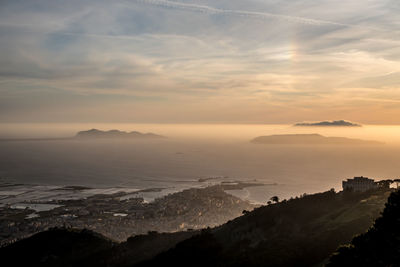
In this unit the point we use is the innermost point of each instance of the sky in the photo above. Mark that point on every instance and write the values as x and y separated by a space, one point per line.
200 61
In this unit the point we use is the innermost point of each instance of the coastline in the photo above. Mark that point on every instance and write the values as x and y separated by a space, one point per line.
118 217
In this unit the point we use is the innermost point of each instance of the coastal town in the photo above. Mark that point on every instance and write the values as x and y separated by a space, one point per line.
119 216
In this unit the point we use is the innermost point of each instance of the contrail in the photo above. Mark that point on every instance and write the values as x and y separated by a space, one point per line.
238 13
205 10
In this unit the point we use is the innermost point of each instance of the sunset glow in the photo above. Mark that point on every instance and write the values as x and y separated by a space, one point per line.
200 61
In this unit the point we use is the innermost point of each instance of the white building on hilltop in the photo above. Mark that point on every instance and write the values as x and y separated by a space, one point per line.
359 184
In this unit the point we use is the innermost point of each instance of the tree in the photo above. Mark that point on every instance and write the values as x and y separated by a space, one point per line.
275 199
397 181
385 183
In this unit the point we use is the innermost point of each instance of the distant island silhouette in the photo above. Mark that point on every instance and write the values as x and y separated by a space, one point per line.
95 133
338 123
314 139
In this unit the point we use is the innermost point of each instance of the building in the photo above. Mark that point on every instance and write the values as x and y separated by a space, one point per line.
359 184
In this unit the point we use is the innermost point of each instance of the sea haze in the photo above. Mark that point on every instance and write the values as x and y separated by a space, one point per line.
193 152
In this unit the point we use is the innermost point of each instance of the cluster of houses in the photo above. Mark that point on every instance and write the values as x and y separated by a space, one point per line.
362 184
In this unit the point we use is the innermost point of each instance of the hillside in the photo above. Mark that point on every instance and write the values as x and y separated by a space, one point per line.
379 246
299 232
71 247
55 247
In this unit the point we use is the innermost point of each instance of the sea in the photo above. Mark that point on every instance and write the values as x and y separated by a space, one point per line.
191 155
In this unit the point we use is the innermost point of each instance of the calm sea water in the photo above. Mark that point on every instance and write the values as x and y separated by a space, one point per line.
192 152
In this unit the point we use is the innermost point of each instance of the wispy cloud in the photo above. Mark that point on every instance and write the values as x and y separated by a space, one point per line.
239 13
168 58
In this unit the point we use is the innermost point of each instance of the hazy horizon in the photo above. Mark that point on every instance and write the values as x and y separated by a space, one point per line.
204 132
197 151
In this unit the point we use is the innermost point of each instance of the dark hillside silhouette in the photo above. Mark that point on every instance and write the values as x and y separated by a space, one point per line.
380 246
298 232
55 247
302 231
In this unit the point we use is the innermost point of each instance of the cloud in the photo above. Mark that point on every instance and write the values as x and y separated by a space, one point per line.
246 14
388 80
233 58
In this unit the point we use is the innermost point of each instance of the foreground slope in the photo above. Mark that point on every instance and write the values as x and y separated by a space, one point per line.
71 247
299 232
380 246
55 247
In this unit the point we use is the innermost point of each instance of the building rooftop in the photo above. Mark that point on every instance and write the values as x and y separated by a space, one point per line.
360 178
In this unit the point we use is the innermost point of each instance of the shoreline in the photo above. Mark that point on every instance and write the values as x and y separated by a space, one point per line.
118 218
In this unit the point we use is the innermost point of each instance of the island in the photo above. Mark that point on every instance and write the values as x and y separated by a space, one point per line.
95 133
310 139
338 123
